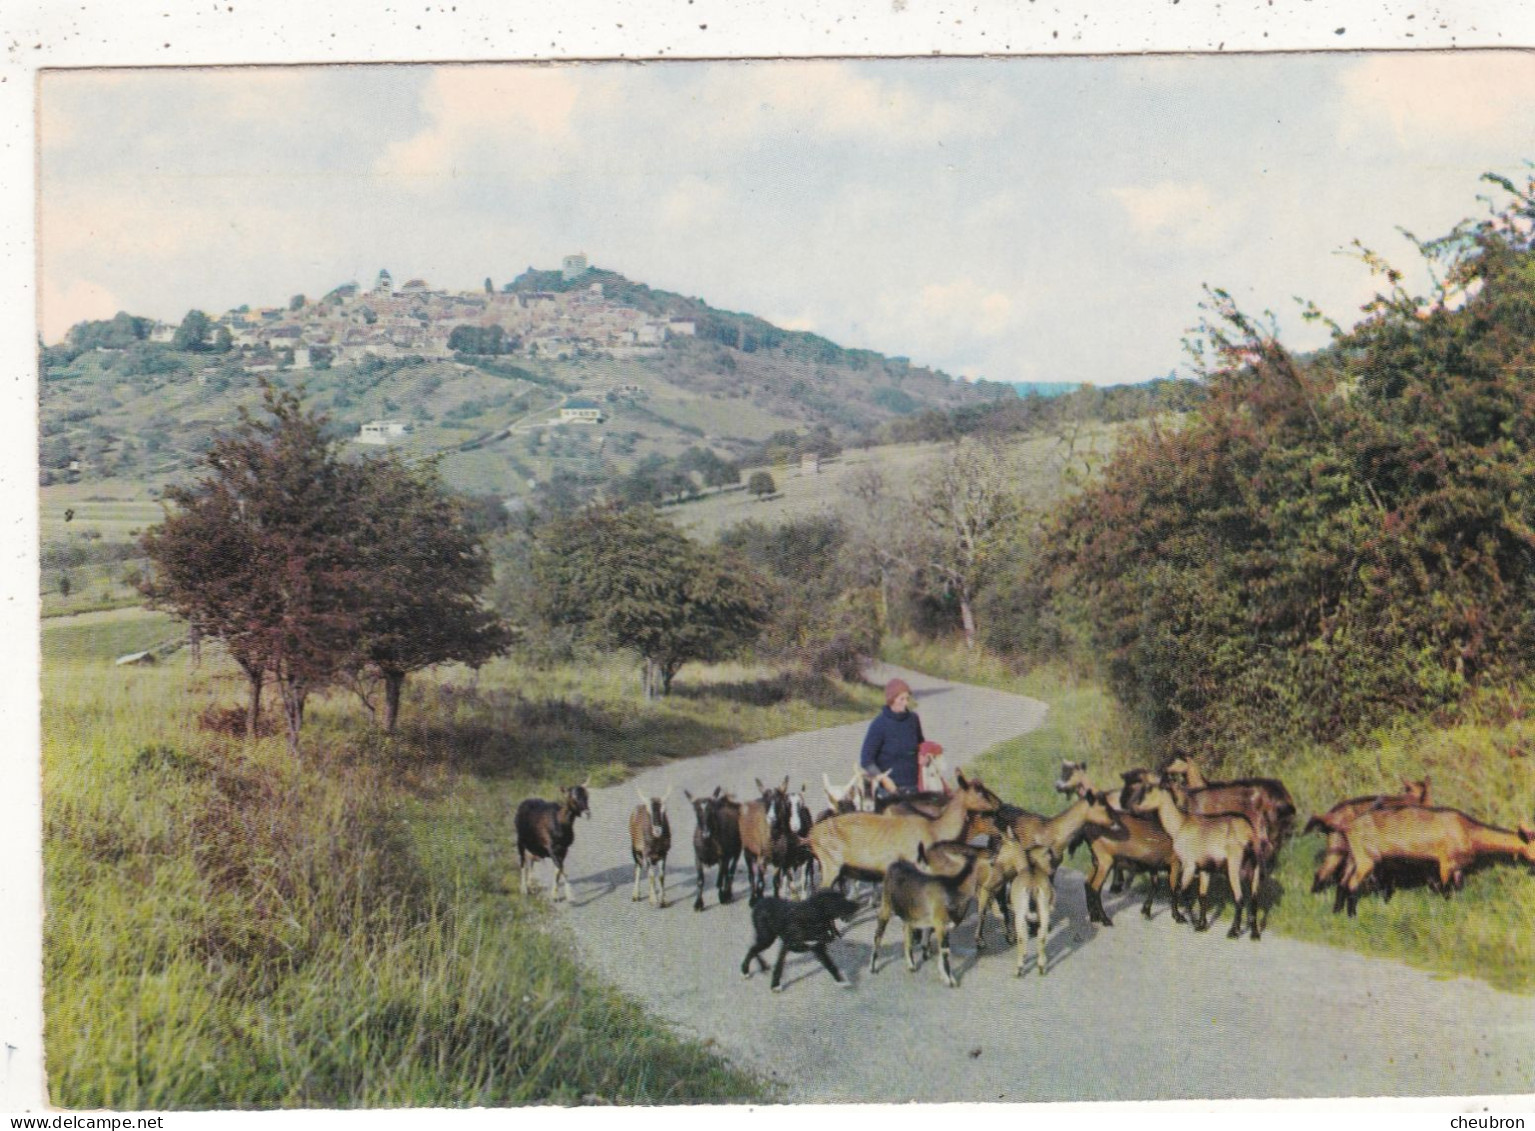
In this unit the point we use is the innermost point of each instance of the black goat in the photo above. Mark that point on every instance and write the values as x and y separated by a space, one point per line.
716 841
546 830
806 925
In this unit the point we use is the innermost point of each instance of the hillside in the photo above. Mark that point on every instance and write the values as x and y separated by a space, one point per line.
138 401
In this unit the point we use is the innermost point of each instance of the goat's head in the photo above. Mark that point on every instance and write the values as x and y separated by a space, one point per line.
1146 795
848 798
1132 779
656 808
797 813
775 806
706 812
577 801
1100 813
977 798
1073 777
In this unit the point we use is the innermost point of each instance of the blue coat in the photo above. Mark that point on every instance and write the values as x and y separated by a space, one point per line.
891 745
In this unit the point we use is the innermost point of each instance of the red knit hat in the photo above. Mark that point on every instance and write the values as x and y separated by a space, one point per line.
894 688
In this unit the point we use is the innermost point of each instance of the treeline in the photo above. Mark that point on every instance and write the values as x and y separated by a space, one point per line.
1009 414
1325 544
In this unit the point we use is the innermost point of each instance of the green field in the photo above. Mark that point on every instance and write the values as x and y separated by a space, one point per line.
226 926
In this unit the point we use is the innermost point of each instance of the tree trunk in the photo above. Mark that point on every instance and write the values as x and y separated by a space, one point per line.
253 712
967 619
293 698
394 683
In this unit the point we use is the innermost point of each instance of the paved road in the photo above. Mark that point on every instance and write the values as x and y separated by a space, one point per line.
1145 1010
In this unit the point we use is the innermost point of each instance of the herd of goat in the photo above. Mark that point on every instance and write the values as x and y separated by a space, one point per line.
934 854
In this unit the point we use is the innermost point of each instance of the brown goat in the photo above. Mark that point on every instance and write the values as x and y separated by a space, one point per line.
762 821
1445 838
1263 801
1202 844
1141 843
1059 832
546 830
923 900
864 845
1030 870
1336 821
650 839
1074 781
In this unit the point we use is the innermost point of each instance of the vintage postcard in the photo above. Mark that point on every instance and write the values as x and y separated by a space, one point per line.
884 580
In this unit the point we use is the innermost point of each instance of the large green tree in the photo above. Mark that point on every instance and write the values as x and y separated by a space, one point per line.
258 553
1328 542
424 568
627 578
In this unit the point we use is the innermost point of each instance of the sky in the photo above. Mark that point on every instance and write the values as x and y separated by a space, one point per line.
1039 219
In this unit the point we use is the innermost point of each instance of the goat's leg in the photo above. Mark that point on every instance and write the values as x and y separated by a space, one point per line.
942 931
1234 870
1203 923
909 950
1177 883
983 898
1151 892
661 886
698 903
1021 941
783 952
879 933
1359 872
560 877
726 876
522 868
757 947
819 950
1046 907
639 868
1254 888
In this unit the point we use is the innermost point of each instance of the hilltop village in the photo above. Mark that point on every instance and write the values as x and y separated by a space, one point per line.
416 319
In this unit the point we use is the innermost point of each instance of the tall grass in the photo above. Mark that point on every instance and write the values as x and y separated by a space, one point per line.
226 926
1483 764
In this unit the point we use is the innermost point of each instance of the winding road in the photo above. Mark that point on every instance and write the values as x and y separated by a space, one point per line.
1145 1010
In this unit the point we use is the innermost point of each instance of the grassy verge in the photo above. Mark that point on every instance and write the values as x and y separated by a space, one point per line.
227 927
1484 766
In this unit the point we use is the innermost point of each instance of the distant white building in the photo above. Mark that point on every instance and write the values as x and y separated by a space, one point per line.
578 411
383 431
573 267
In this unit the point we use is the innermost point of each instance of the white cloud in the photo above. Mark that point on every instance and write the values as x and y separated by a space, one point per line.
965 307
480 113
1179 212
693 203
1424 97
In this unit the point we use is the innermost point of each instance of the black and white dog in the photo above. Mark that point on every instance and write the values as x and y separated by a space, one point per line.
807 925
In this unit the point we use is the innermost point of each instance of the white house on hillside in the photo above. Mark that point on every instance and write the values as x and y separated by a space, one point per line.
383 431
576 411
